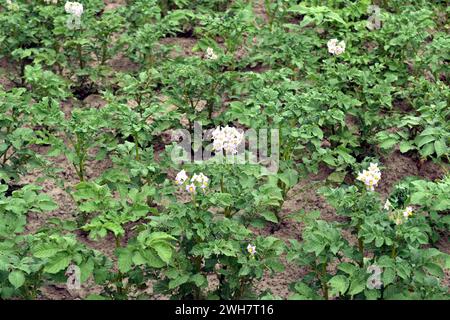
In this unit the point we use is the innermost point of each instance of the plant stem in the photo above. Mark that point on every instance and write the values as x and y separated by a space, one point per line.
394 252
136 142
361 249
324 284
227 210
119 280
360 246
104 50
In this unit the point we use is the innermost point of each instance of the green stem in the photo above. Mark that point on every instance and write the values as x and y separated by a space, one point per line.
324 284
360 246
104 51
80 154
119 280
80 56
136 142
227 210
394 252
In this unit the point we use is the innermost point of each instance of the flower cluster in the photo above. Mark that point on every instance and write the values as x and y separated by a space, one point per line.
408 212
227 139
335 47
181 177
197 181
12 5
399 216
251 249
387 205
74 8
370 177
210 55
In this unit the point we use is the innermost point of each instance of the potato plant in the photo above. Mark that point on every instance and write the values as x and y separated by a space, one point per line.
196 150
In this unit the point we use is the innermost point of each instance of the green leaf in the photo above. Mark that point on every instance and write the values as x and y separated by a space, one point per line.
46 250
388 276
339 284
199 279
178 281
440 147
222 199
47 205
337 176
405 146
347 268
372 294
96 297
434 270
289 177
86 269
269 216
358 284
164 251
151 258
16 278
422 140
124 260
388 143
57 264
427 150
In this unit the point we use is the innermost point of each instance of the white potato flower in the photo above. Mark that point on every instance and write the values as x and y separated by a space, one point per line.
387 205
408 212
197 181
227 139
335 47
181 177
251 249
210 55
200 179
191 188
12 5
74 8
370 177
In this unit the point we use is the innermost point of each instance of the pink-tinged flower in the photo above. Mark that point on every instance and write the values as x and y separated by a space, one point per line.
251 249
200 179
408 212
191 188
